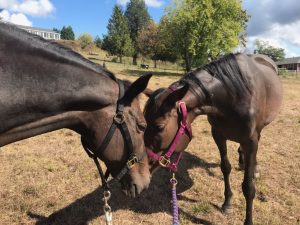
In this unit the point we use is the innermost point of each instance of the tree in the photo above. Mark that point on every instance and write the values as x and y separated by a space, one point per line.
67 33
56 30
263 47
138 19
203 30
117 41
85 39
98 42
151 42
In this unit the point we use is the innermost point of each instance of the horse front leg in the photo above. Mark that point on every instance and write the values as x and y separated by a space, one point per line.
242 161
226 169
250 149
241 158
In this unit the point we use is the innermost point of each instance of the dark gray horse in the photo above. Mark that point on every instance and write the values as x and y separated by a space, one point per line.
240 94
45 87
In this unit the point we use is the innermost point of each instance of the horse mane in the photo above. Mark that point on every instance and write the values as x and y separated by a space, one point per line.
227 70
52 48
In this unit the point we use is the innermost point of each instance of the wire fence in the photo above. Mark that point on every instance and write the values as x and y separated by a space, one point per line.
288 73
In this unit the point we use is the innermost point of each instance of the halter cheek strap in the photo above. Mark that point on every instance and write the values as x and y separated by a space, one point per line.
118 123
164 160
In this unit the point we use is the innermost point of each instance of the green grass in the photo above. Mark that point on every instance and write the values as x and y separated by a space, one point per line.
202 208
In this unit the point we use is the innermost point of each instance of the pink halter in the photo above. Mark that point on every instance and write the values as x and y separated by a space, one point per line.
164 159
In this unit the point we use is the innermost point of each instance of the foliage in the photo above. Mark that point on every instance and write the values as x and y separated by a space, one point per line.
203 30
151 43
67 33
117 41
98 42
85 39
263 47
138 19
56 30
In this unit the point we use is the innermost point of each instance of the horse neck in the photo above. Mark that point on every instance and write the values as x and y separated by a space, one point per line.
206 98
41 88
51 69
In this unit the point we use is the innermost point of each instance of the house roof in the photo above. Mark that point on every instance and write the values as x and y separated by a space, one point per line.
36 29
294 60
29 28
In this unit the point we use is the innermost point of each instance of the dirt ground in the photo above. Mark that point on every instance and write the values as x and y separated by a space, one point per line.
49 179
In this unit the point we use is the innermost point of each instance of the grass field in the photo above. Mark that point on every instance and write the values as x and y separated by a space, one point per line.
49 179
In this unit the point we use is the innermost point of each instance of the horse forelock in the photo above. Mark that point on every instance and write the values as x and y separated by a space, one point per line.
151 104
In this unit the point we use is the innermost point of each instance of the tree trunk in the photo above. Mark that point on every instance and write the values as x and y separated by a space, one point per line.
134 59
121 59
188 62
155 63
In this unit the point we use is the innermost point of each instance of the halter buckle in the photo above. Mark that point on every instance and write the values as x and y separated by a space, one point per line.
164 161
119 118
132 161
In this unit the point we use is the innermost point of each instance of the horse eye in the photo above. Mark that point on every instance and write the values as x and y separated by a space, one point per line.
160 127
142 126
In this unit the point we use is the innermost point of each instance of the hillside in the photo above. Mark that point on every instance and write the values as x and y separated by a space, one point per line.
100 56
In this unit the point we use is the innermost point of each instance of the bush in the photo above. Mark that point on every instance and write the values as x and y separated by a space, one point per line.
85 40
114 59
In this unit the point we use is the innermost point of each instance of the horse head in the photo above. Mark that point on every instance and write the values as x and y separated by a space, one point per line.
125 148
168 125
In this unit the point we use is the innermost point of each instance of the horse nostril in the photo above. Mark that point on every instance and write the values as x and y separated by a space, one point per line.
133 191
137 191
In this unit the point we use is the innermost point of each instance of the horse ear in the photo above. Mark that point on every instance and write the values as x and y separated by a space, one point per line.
148 92
176 95
136 88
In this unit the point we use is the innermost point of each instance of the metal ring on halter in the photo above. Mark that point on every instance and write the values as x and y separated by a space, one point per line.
106 208
107 195
119 118
173 181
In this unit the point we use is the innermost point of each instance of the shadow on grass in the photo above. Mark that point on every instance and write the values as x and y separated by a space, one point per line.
155 199
138 73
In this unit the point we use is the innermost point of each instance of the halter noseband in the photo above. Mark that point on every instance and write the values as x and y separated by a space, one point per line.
118 122
165 159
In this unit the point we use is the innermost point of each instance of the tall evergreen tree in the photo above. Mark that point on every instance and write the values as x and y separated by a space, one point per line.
118 42
98 41
138 18
67 33
56 30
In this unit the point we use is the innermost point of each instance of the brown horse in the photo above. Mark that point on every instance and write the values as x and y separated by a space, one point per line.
46 87
240 94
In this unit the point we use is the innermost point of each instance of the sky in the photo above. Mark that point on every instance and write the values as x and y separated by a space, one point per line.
277 22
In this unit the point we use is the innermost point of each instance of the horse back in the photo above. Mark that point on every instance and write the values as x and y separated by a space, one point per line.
265 60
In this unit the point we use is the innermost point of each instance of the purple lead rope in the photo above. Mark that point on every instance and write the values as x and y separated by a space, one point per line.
174 200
